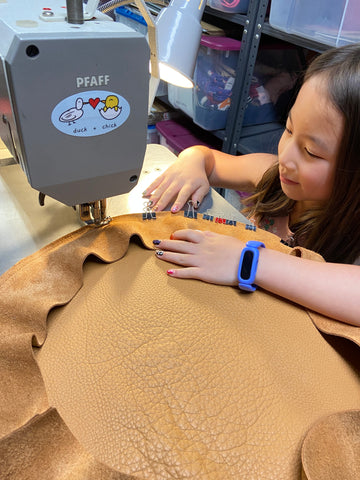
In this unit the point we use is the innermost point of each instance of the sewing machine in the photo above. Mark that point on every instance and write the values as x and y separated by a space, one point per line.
74 111
73 101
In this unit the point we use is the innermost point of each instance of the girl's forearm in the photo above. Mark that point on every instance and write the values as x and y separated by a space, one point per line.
239 172
328 288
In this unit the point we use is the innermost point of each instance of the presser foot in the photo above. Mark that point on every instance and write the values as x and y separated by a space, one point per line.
94 213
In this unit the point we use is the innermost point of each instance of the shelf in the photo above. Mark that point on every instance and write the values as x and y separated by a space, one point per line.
229 17
294 39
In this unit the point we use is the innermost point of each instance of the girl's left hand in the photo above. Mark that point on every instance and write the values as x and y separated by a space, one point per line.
206 256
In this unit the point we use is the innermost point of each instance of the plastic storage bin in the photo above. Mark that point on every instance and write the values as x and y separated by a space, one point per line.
272 87
152 134
181 98
131 18
230 6
214 79
176 137
333 22
273 83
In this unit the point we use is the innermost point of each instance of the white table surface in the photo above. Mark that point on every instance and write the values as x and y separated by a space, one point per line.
25 226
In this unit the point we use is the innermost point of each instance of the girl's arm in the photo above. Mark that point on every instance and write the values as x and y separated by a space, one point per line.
196 168
332 289
327 288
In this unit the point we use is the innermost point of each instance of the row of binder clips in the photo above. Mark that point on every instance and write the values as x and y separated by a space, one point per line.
190 212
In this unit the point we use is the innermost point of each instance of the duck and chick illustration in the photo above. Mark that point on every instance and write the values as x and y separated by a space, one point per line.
110 110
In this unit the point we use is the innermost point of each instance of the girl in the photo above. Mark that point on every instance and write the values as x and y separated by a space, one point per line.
309 193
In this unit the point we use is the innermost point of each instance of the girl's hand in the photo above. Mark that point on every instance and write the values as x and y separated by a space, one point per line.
206 256
186 178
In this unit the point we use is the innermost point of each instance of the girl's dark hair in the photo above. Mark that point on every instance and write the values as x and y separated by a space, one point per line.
334 230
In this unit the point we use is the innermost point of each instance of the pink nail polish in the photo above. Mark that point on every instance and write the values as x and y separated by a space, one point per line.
170 272
175 208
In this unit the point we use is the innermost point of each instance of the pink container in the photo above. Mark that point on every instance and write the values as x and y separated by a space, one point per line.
230 6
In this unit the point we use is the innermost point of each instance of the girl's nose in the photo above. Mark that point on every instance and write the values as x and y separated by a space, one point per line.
287 152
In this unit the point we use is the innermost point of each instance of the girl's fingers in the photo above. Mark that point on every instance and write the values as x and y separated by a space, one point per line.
162 196
166 192
183 196
182 241
183 259
198 196
204 255
153 186
166 197
181 248
190 272
185 241
188 235
176 246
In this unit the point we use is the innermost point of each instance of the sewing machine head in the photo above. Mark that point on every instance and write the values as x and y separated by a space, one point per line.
73 100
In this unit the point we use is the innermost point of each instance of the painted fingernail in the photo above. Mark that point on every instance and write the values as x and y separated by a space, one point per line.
170 272
159 253
144 193
197 204
156 242
175 208
171 237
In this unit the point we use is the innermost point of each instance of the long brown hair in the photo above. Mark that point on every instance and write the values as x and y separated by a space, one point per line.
333 230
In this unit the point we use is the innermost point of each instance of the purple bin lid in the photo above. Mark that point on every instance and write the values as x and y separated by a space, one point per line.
220 43
177 136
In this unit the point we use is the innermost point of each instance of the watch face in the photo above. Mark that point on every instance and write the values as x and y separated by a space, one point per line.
246 265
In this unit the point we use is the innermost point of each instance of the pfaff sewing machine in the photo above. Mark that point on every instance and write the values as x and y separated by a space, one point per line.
73 101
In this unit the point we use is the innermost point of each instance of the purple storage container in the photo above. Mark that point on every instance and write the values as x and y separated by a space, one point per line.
230 6
176 137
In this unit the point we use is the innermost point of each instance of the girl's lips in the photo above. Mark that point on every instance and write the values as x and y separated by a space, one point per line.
287 181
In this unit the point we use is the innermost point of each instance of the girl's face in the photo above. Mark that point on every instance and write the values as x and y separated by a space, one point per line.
309 145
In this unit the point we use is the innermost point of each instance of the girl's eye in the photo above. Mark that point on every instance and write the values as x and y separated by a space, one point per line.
311 154
288 130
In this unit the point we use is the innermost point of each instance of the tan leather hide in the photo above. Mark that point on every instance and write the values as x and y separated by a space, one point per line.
143 376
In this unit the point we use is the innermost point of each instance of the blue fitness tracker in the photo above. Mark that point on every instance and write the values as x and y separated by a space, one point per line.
248 265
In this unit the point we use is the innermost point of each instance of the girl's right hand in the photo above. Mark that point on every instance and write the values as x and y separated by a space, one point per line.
186 179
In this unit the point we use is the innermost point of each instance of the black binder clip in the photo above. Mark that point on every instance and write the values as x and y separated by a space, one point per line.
148 213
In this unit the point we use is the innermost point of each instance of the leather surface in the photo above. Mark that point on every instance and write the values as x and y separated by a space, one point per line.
163 378
45 449
331 450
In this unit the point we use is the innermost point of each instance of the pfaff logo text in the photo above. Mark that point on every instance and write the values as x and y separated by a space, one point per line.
92 81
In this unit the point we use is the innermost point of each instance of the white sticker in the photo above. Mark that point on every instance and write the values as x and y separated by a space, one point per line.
90 113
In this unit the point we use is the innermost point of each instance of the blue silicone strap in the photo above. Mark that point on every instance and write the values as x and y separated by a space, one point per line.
248 284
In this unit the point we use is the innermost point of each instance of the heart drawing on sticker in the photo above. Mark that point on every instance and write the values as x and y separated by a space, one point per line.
94 101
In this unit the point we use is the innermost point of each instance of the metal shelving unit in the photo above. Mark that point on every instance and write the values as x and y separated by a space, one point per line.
247 57
259 138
